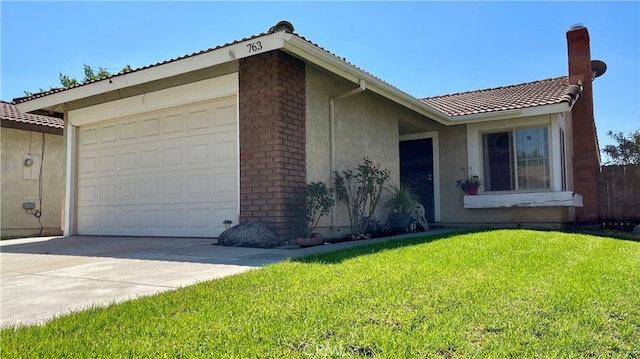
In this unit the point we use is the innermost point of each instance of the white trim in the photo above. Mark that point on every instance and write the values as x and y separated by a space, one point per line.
70 208
475 148
237 219
555 155
490 116
512 114
204 90
219 56
436 167
519 200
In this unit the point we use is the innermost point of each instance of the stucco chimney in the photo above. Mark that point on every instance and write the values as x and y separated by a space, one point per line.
586 160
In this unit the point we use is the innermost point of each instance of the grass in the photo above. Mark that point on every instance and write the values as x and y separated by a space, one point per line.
489 294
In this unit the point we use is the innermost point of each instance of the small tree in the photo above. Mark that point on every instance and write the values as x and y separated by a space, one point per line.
360 191
89 75
626 151
311 204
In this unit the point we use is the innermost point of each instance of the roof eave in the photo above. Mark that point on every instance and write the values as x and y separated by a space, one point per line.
515 113
287 42
311 53
34 127
215 57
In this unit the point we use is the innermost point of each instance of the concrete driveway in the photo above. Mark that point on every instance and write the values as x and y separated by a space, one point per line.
42 278
47 277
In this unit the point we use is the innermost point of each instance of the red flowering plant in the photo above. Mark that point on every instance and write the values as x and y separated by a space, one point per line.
469 185
360 191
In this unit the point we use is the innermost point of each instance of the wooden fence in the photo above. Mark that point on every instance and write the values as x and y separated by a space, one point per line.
619 196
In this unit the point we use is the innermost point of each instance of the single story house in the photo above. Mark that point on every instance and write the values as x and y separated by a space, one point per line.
229 133
33 181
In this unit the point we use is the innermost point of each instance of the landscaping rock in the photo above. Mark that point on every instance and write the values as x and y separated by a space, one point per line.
250 234
636 230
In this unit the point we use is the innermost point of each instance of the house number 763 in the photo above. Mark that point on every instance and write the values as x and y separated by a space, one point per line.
255 46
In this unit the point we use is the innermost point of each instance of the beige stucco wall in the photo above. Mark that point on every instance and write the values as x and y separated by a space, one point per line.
368 125
15 190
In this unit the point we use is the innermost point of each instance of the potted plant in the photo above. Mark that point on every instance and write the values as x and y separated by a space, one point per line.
401 202
469 185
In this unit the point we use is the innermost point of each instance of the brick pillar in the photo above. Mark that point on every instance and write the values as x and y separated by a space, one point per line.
586 160
272 138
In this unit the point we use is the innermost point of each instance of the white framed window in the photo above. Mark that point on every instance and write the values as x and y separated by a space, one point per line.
521 162
517 160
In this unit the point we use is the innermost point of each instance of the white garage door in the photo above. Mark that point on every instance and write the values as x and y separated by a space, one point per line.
166 173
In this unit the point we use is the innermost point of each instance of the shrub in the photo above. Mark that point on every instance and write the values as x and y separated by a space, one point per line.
360 190
310 204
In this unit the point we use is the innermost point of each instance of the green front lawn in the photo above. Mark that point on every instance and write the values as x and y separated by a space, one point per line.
488 294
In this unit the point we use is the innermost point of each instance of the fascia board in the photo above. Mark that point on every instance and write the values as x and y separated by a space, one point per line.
517 113
193 92
547 109
219 56
303 49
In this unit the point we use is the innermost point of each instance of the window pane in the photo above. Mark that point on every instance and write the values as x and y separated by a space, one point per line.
498 161
532 159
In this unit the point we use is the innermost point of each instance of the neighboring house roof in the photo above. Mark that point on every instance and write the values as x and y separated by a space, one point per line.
282 37
12 117
530 94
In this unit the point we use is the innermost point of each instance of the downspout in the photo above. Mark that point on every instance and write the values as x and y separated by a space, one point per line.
332 137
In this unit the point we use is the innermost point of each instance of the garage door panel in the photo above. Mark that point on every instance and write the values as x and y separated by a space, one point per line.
88 164
108 133
198 220
150 127
216 150
214 134
162 126
208 185
224 115
170 173
128 130
88 136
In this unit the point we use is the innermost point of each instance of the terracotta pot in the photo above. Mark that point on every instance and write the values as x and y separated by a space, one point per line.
473 191
307 242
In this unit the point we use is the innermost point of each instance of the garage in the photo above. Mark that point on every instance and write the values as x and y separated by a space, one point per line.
167 172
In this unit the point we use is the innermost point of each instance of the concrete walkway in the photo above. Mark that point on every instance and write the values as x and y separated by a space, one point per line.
45 277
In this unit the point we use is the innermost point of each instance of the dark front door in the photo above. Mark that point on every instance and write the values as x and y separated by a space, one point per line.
416 169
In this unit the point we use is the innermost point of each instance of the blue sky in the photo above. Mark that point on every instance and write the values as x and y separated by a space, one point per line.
423 48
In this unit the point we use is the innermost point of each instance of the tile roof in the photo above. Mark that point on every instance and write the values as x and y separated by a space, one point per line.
274 28
10 112
525 95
